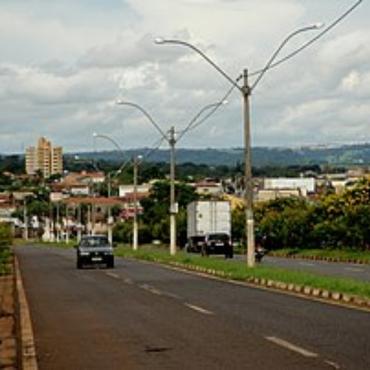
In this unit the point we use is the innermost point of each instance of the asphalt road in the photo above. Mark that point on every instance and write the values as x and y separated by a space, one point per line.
346 270
144 316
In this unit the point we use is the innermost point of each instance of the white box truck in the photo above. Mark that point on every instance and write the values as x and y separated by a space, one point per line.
209 228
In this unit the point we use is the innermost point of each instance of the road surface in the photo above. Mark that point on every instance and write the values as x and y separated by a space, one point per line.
144 316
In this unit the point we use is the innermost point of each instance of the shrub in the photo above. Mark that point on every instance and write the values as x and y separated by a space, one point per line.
5 234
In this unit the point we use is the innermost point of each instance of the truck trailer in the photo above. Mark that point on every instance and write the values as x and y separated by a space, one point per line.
209 228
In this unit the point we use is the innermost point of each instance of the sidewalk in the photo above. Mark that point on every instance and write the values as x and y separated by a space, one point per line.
8 329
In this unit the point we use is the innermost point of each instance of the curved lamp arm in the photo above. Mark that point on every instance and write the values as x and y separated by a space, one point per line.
161 41
277 51
194 119
146 114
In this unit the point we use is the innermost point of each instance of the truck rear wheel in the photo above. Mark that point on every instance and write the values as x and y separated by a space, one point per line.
204 251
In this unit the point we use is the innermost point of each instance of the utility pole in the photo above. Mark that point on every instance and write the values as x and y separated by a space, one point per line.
79 223
135 239
93 218
89 219
58 224
173 208
248 192
25 219
110 236
67 225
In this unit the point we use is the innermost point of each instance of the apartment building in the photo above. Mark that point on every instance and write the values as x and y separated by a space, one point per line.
45 158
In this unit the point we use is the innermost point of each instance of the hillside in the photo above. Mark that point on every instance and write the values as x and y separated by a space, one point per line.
262 156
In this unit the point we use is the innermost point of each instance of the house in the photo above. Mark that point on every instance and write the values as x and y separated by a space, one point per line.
84 177
124 190
272 194
304 185
208 188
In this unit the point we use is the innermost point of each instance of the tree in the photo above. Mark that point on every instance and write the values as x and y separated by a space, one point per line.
156 209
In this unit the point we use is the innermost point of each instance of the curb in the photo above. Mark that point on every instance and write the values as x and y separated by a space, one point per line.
319 258
343 299
28 357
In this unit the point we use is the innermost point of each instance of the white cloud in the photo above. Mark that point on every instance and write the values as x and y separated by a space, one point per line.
64 63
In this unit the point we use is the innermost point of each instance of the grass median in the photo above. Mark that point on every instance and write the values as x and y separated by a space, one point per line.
336 254
238 270
40 243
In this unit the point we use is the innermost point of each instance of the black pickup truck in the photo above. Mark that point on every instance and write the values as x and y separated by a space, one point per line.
94 250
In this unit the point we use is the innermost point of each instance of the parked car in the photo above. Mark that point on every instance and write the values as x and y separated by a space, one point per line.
94 250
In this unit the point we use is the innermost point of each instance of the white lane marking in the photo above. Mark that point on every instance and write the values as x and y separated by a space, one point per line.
198 309
128 281
171 295
112 274
306 264
333 364
291 347
353 269
150 289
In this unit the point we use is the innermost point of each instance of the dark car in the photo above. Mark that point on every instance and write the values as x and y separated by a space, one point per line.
218 243
94 250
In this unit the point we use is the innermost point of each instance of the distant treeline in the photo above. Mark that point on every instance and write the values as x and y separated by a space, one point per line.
184 171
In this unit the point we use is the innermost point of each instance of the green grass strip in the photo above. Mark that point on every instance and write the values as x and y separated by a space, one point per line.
238 270
338 254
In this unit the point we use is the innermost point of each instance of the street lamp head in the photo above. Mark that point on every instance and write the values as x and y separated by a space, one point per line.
318 25
159 40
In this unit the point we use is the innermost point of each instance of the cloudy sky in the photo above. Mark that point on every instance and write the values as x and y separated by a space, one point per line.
64 63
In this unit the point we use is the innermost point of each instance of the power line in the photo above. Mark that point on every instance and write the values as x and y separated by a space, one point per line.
311 41
195 124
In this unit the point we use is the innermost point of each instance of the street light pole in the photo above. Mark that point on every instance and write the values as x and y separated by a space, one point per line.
171 139
173 208
79 223
58 224
25 218
135 238
248 192
110 233
246 92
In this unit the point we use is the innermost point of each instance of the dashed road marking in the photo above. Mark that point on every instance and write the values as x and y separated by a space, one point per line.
151 289
306 264
353 269
291 347
332 364
112 274
198 309
171 295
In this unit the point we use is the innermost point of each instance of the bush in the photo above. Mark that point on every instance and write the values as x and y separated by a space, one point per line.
335 221
6 237
122 232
